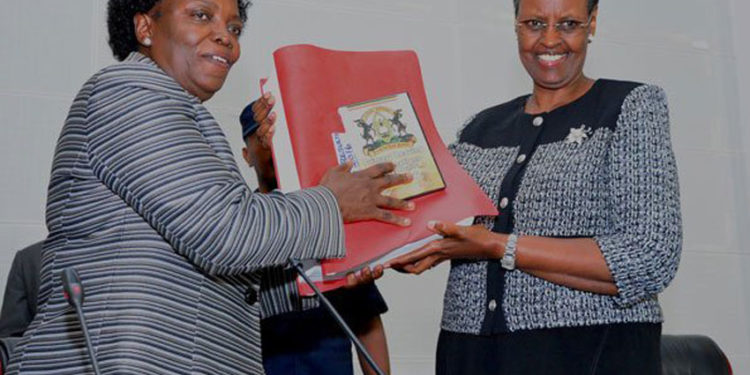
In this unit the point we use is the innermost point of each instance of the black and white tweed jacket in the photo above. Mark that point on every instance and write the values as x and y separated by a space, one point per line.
600 167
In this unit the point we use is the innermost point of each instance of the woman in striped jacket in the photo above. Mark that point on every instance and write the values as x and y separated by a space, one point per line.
147 203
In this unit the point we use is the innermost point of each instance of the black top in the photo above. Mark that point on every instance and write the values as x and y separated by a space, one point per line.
357 306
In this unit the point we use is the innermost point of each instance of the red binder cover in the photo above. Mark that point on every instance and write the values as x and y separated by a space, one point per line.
313 84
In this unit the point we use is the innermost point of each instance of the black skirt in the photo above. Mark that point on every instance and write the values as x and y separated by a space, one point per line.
623 349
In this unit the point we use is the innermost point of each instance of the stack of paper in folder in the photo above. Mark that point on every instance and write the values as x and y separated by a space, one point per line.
368 107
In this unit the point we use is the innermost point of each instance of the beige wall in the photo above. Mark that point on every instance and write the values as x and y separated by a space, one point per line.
467 48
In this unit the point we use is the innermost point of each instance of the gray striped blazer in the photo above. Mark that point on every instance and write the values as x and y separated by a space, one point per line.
147 203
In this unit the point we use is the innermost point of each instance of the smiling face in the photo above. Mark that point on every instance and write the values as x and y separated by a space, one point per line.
194 41
553 39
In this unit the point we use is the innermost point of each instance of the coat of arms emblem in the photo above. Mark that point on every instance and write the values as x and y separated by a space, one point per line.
383 128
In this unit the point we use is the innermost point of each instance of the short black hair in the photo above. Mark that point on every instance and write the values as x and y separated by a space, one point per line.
591 5
121 28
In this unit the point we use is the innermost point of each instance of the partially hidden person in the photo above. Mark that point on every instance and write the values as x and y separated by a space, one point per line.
19 299
320 345
21 290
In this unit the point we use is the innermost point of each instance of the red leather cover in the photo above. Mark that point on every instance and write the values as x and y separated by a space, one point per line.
314 82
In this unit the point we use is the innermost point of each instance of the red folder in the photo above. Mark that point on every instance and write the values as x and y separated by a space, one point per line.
313 84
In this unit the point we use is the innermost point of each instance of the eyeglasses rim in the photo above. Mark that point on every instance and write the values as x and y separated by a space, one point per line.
582 26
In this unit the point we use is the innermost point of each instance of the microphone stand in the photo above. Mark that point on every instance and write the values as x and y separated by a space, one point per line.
94 363
336 316
73 291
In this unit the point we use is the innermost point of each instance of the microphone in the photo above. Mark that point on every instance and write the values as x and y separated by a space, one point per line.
297 264
73 292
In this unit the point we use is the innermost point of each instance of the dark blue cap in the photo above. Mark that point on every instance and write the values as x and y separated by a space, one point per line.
247 119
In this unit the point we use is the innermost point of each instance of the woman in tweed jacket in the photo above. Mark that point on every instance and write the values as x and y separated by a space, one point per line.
565 279
147 203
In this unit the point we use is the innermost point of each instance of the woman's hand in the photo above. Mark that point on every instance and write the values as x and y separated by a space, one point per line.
459 242
359 193
364 276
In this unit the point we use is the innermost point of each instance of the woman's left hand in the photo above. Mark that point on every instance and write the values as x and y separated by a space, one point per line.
459 242
363 276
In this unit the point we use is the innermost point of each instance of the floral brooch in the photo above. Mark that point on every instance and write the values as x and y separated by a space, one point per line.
578 135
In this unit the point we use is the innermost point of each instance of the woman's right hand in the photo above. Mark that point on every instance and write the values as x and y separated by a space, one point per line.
458 242
359 194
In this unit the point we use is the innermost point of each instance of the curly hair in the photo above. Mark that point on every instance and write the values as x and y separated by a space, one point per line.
120 25
591 5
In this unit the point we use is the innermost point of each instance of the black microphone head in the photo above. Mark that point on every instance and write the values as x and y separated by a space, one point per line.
72 287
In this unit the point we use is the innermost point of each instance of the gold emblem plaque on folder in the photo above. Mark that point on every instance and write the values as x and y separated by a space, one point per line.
387 129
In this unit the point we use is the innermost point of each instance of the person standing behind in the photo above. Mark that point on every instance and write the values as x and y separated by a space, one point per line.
310 341
19 302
